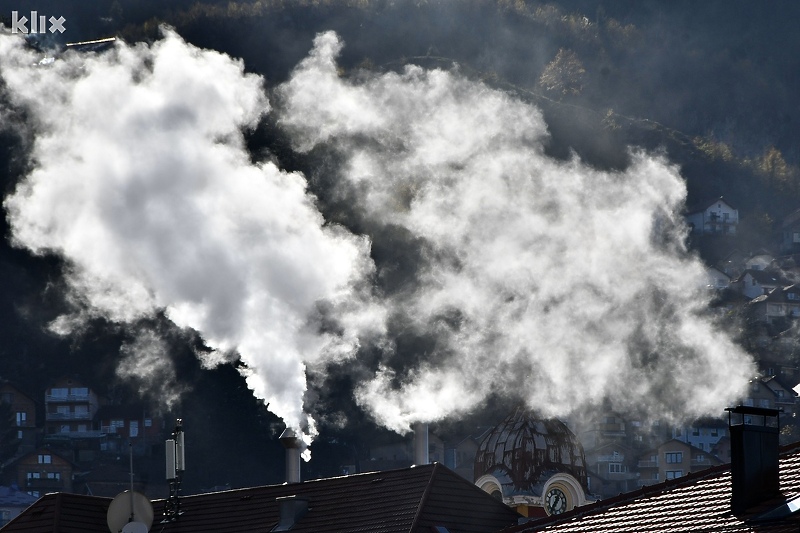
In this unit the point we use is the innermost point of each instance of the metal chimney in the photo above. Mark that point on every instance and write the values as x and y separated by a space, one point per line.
754 456
421 443
293 446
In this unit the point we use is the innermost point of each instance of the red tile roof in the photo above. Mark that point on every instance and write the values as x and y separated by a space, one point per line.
408 500
699 502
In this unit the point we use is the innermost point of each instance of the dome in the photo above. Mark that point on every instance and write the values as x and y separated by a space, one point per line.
523 452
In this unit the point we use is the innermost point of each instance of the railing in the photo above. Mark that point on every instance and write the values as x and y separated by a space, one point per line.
648 464
68 398
68 416
610 458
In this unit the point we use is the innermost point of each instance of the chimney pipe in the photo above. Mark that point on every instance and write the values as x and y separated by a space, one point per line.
754 456
292 443
421 443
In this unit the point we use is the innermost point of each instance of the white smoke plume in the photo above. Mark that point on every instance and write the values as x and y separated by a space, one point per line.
142 183
550 280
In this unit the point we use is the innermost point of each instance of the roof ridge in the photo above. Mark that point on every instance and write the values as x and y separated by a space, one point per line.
424 497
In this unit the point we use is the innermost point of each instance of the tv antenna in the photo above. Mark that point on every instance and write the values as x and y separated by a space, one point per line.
130 511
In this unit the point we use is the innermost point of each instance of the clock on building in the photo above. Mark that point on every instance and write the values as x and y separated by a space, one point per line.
555 501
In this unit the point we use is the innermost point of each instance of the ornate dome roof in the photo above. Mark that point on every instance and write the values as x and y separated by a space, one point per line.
523 452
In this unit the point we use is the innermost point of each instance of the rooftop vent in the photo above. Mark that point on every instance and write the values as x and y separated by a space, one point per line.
754 456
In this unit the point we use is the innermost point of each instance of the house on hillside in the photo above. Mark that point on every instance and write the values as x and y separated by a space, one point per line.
702 434
716 280
671 460
612 469
40 472
790 233
713 218
23 409
70 407
785 396
12 502
754 283
778 304
124 425
421 499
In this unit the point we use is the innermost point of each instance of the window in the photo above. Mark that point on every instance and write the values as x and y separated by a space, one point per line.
614 468
696 432
763 403
714 432
779 393
655 476
45 459
7 397
678 432
700 458
133 431
53 475
34 475
59 392
22 418
672 474
748 402
79 391
673 457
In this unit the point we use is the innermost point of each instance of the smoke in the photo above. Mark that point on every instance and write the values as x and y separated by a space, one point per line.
546 280
141 182
525 276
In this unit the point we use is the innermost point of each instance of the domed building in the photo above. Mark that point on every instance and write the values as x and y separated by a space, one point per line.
535 465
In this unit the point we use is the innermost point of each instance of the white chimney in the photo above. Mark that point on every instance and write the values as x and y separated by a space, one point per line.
292 443
421 443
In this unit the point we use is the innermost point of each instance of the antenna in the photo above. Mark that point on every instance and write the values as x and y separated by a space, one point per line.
130 511
176 465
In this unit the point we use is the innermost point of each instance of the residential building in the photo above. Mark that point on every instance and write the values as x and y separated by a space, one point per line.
715 218
790 233
754 283
70 407
421 499
778 305
124 425
12 502
40 472
702 434
716 280
23 409
671 460
612 469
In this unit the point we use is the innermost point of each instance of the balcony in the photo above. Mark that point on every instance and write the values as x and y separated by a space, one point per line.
69 398
610 458
648 464
68 416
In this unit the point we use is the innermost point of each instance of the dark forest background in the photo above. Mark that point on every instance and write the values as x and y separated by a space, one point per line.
713 84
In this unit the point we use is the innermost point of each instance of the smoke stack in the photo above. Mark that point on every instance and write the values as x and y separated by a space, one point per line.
754 456
292 443
421 443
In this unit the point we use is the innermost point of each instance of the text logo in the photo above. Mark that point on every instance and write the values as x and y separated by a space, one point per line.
38 23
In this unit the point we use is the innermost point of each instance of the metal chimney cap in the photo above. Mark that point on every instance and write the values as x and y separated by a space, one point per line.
289 438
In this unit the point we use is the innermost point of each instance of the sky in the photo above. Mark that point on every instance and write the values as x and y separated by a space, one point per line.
546 280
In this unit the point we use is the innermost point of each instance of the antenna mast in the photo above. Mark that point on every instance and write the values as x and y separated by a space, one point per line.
176 464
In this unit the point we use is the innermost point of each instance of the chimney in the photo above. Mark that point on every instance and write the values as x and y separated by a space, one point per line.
292 509
421 444
754 456
292 443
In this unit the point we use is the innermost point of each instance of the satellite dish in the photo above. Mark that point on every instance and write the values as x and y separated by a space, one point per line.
130 512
